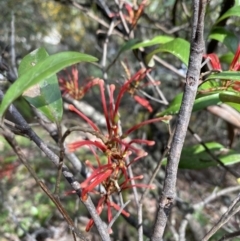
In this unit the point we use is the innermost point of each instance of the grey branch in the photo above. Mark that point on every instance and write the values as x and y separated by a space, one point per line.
192 79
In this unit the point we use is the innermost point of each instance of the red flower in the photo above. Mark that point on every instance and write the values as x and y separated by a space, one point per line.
134 15
113 176
133 84
143 102
7 170
70 85
234 66
105 201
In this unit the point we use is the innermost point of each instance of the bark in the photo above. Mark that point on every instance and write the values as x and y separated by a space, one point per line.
190 90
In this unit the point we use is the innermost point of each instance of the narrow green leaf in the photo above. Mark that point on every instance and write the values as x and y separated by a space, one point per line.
226 75
234 11
136 43
150 42
128 45
226 37
231 98
41 71
46 95
201 102
178 47
174 106
196 157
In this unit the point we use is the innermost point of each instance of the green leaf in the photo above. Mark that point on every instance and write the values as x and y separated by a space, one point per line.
234 11
46 95
226 37
150 42
232 99
128 46
196 157
47 98
226 75
178 47
136 44
41 71
31 60
174 106
201 102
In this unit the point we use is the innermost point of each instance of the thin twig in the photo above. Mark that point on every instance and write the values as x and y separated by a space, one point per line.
216 159
118 214
230 236
200 205
12 142
161 95
95 17
216 195
169 66
120 5
61 158
232 210
157 168
13 52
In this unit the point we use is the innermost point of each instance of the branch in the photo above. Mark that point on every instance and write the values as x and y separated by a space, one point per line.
191 209
230 236
55 159
9 136
13 53
192 79
232 210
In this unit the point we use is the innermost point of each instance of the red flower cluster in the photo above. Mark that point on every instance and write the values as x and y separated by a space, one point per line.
234 66
113 175
7 170
133 15
133 83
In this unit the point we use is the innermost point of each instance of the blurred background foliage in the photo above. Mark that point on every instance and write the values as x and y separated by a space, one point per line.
59 26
